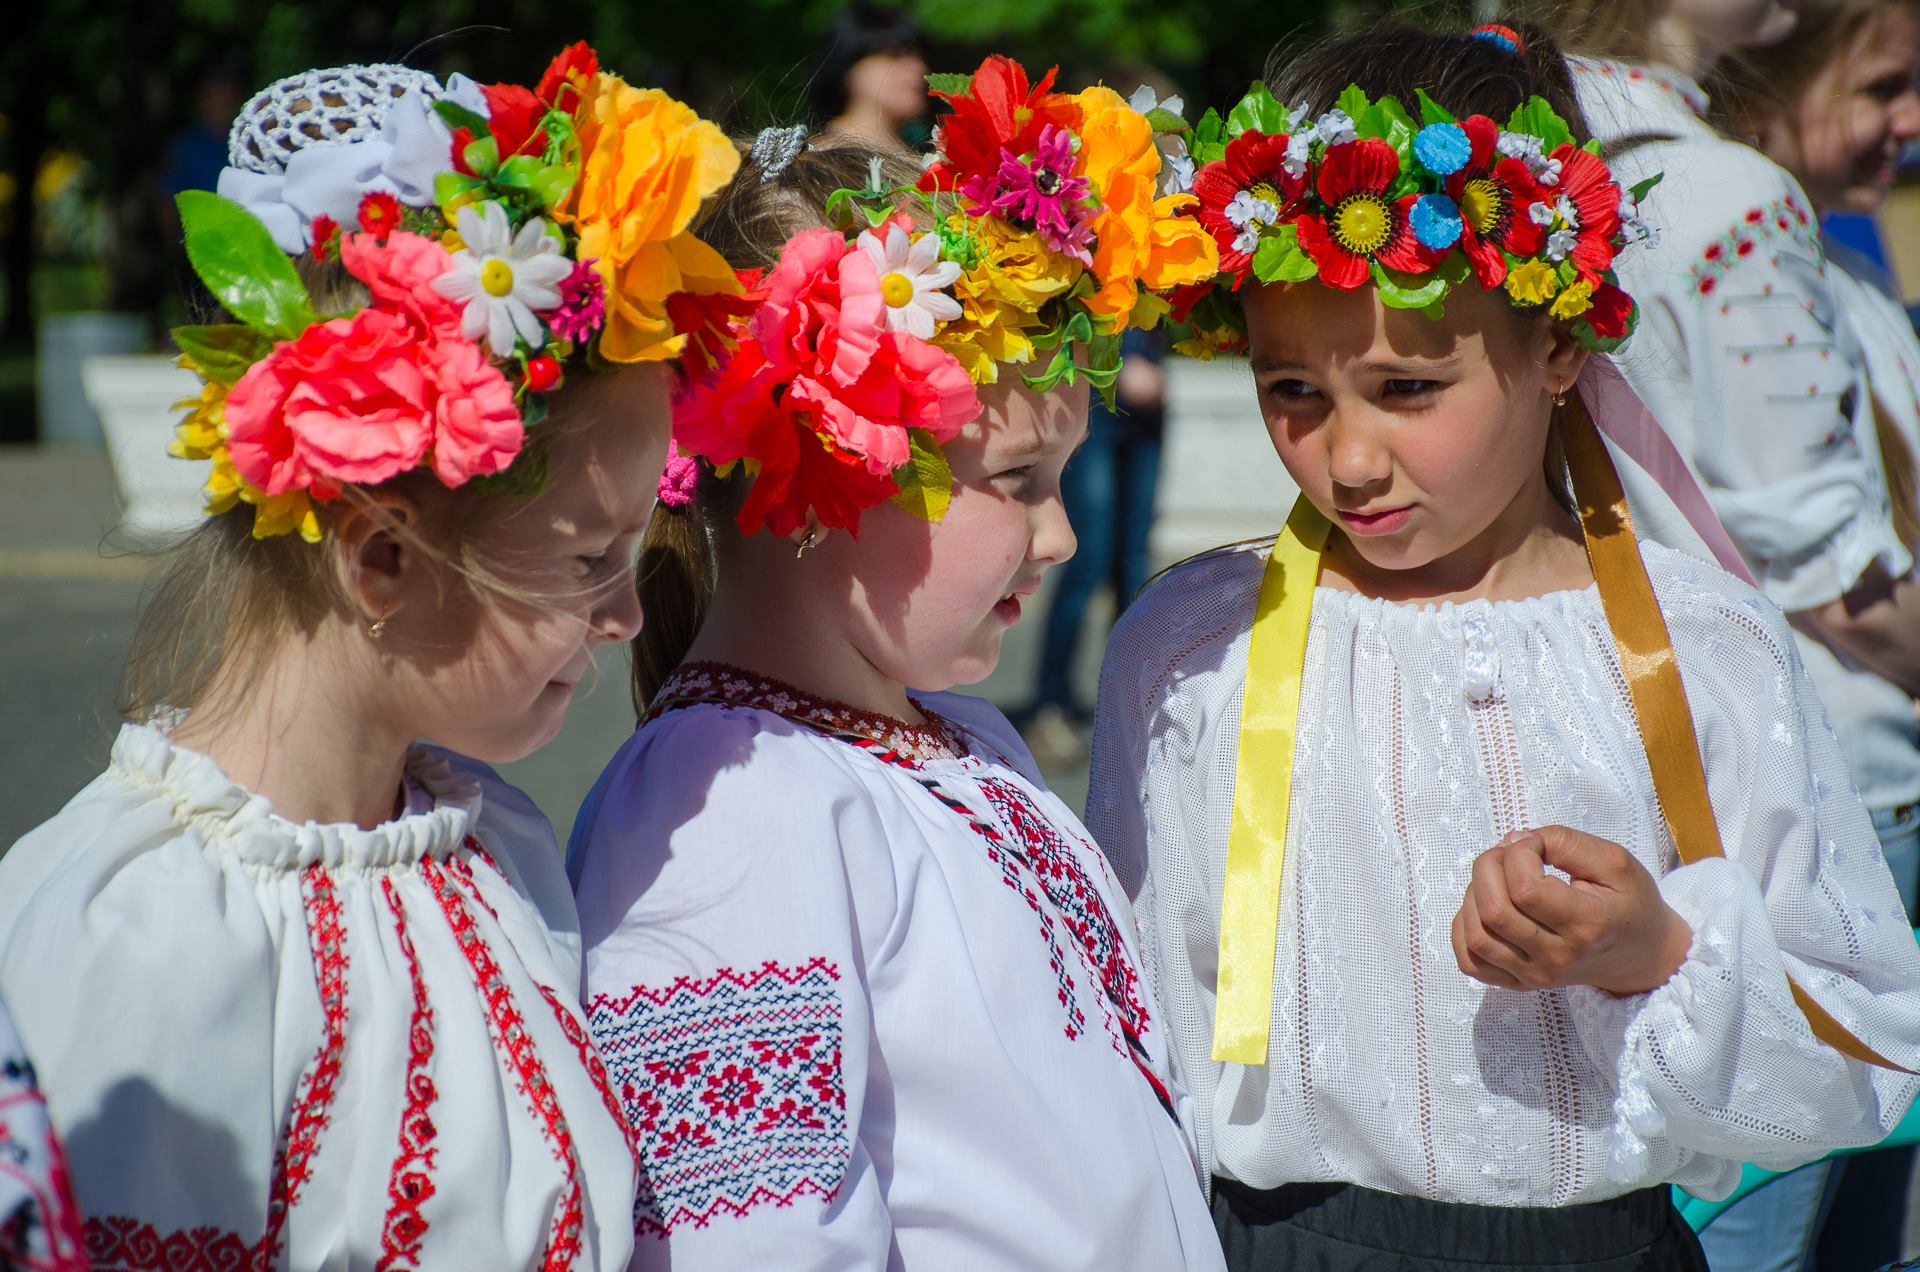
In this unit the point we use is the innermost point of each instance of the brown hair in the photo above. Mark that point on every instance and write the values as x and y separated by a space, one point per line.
748 223
1618 29
1760 86
225 600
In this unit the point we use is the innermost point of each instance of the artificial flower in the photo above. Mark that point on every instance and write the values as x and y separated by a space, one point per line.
1246 190
1435 220
400 273
513 117
1362 225
1001 296
1611 314
999 111
1532 282
202 430
1494 194
912 279
1442 149
322 230
282 514
583 305
1041 191
1575 298
646 164
706 320
502 278
379 214
476 426
1589 206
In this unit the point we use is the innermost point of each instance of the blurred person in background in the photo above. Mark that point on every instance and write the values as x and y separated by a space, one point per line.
1836 109
1753 364
871 78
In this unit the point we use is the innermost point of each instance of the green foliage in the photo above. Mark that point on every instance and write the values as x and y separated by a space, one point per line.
925 481
236 258
223 352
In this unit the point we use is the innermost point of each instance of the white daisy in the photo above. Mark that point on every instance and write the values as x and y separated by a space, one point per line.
911 278
503 279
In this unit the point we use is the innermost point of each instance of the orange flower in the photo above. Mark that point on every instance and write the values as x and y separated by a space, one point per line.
646 164
1143 242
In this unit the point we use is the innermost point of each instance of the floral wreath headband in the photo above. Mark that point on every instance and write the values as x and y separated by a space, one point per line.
502 234
1044 225
1364 193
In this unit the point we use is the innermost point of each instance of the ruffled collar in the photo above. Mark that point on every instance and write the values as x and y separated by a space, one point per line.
732 686
244 824
1656 90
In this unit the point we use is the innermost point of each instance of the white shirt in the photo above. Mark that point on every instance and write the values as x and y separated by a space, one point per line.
872 1010
1742 351
313 1045
1426 734
39 1223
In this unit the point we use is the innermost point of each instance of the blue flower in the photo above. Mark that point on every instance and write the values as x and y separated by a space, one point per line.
1436 221
1442 149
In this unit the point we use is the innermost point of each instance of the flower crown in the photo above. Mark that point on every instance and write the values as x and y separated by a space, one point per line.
501 232
1363 193
1044 225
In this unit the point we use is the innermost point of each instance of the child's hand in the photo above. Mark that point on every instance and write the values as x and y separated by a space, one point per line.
1521 928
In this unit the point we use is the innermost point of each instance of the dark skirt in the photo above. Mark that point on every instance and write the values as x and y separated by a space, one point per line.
1347 1228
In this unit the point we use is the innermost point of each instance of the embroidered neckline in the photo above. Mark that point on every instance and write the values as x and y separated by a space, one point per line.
724 684
1672 82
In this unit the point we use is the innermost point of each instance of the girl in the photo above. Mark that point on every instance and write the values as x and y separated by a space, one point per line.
1424 805
305 993
868 991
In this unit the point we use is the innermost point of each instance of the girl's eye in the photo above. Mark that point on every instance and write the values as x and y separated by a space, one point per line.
1291 390
1411 388
1016 474
594 564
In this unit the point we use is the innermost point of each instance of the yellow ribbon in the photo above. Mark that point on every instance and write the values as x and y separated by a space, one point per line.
1270 708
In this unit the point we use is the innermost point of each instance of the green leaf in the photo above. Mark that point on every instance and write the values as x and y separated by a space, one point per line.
222 353
952 85
1538 119
236 258
1209 140
518 173
1280 259
1354 102
1639 191
925 481
1405 291
1165 121
1257 112
448 186
458 116
1388 120
482 156
552 184
1432 112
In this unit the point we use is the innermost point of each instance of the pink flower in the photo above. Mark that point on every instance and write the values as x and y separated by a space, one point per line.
583 305
820 394
477 428
346 402
399 271
1042 193
679 479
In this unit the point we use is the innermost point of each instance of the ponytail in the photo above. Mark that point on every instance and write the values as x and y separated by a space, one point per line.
676 578
1903 488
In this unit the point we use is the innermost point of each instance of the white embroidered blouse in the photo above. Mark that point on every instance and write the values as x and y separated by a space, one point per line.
313 1045
1425 735
870 998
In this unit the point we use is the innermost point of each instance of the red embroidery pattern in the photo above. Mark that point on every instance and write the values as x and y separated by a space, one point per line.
410 1183
510 1037
728 686
1784 216
121 1244
734 1087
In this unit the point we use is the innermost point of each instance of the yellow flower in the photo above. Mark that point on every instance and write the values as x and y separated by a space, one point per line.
1014 275
1142 243
282 514
1532 282
203 429
1575 300
646 164
224 486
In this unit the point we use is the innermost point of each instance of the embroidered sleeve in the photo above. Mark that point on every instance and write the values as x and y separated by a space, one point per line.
1720 1059
1777 385
39 1223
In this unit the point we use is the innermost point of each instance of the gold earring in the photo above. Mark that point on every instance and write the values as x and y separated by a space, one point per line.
813 537
1560 398
377 627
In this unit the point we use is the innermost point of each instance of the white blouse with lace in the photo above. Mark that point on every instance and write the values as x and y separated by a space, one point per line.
1425 735
313 1045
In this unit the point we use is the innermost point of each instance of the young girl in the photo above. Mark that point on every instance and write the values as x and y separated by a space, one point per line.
305 993
1424 803
869 994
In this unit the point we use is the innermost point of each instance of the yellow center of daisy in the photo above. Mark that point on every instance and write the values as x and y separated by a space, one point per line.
896 289
1481 204
1264 190
1363 224
496 277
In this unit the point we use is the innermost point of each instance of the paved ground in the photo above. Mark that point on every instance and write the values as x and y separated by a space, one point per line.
68 596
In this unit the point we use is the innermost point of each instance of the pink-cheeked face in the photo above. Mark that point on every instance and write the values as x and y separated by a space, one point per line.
928 604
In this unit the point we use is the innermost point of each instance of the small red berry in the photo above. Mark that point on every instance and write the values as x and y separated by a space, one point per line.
543 373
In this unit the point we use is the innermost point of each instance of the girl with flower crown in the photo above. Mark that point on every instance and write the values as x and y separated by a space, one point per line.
1495 869
868 992
303 991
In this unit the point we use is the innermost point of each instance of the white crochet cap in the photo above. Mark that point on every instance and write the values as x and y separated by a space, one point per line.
319 142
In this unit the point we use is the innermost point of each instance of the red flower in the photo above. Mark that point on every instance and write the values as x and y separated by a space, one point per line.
1755 216
323 228
570 66
999 110
1494 192
1361 225
709 320
1610 310
513 117
1590 188
379 214
1253 166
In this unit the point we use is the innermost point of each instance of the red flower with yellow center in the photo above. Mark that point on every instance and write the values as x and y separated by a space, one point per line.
1494 193
1253 165
1586 184
1362 224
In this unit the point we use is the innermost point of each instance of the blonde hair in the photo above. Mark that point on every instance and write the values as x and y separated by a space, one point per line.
748 223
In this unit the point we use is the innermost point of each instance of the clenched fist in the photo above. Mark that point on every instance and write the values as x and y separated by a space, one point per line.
1522 928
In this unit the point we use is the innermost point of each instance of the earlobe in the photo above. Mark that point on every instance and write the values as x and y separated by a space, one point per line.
1566 359
376 562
